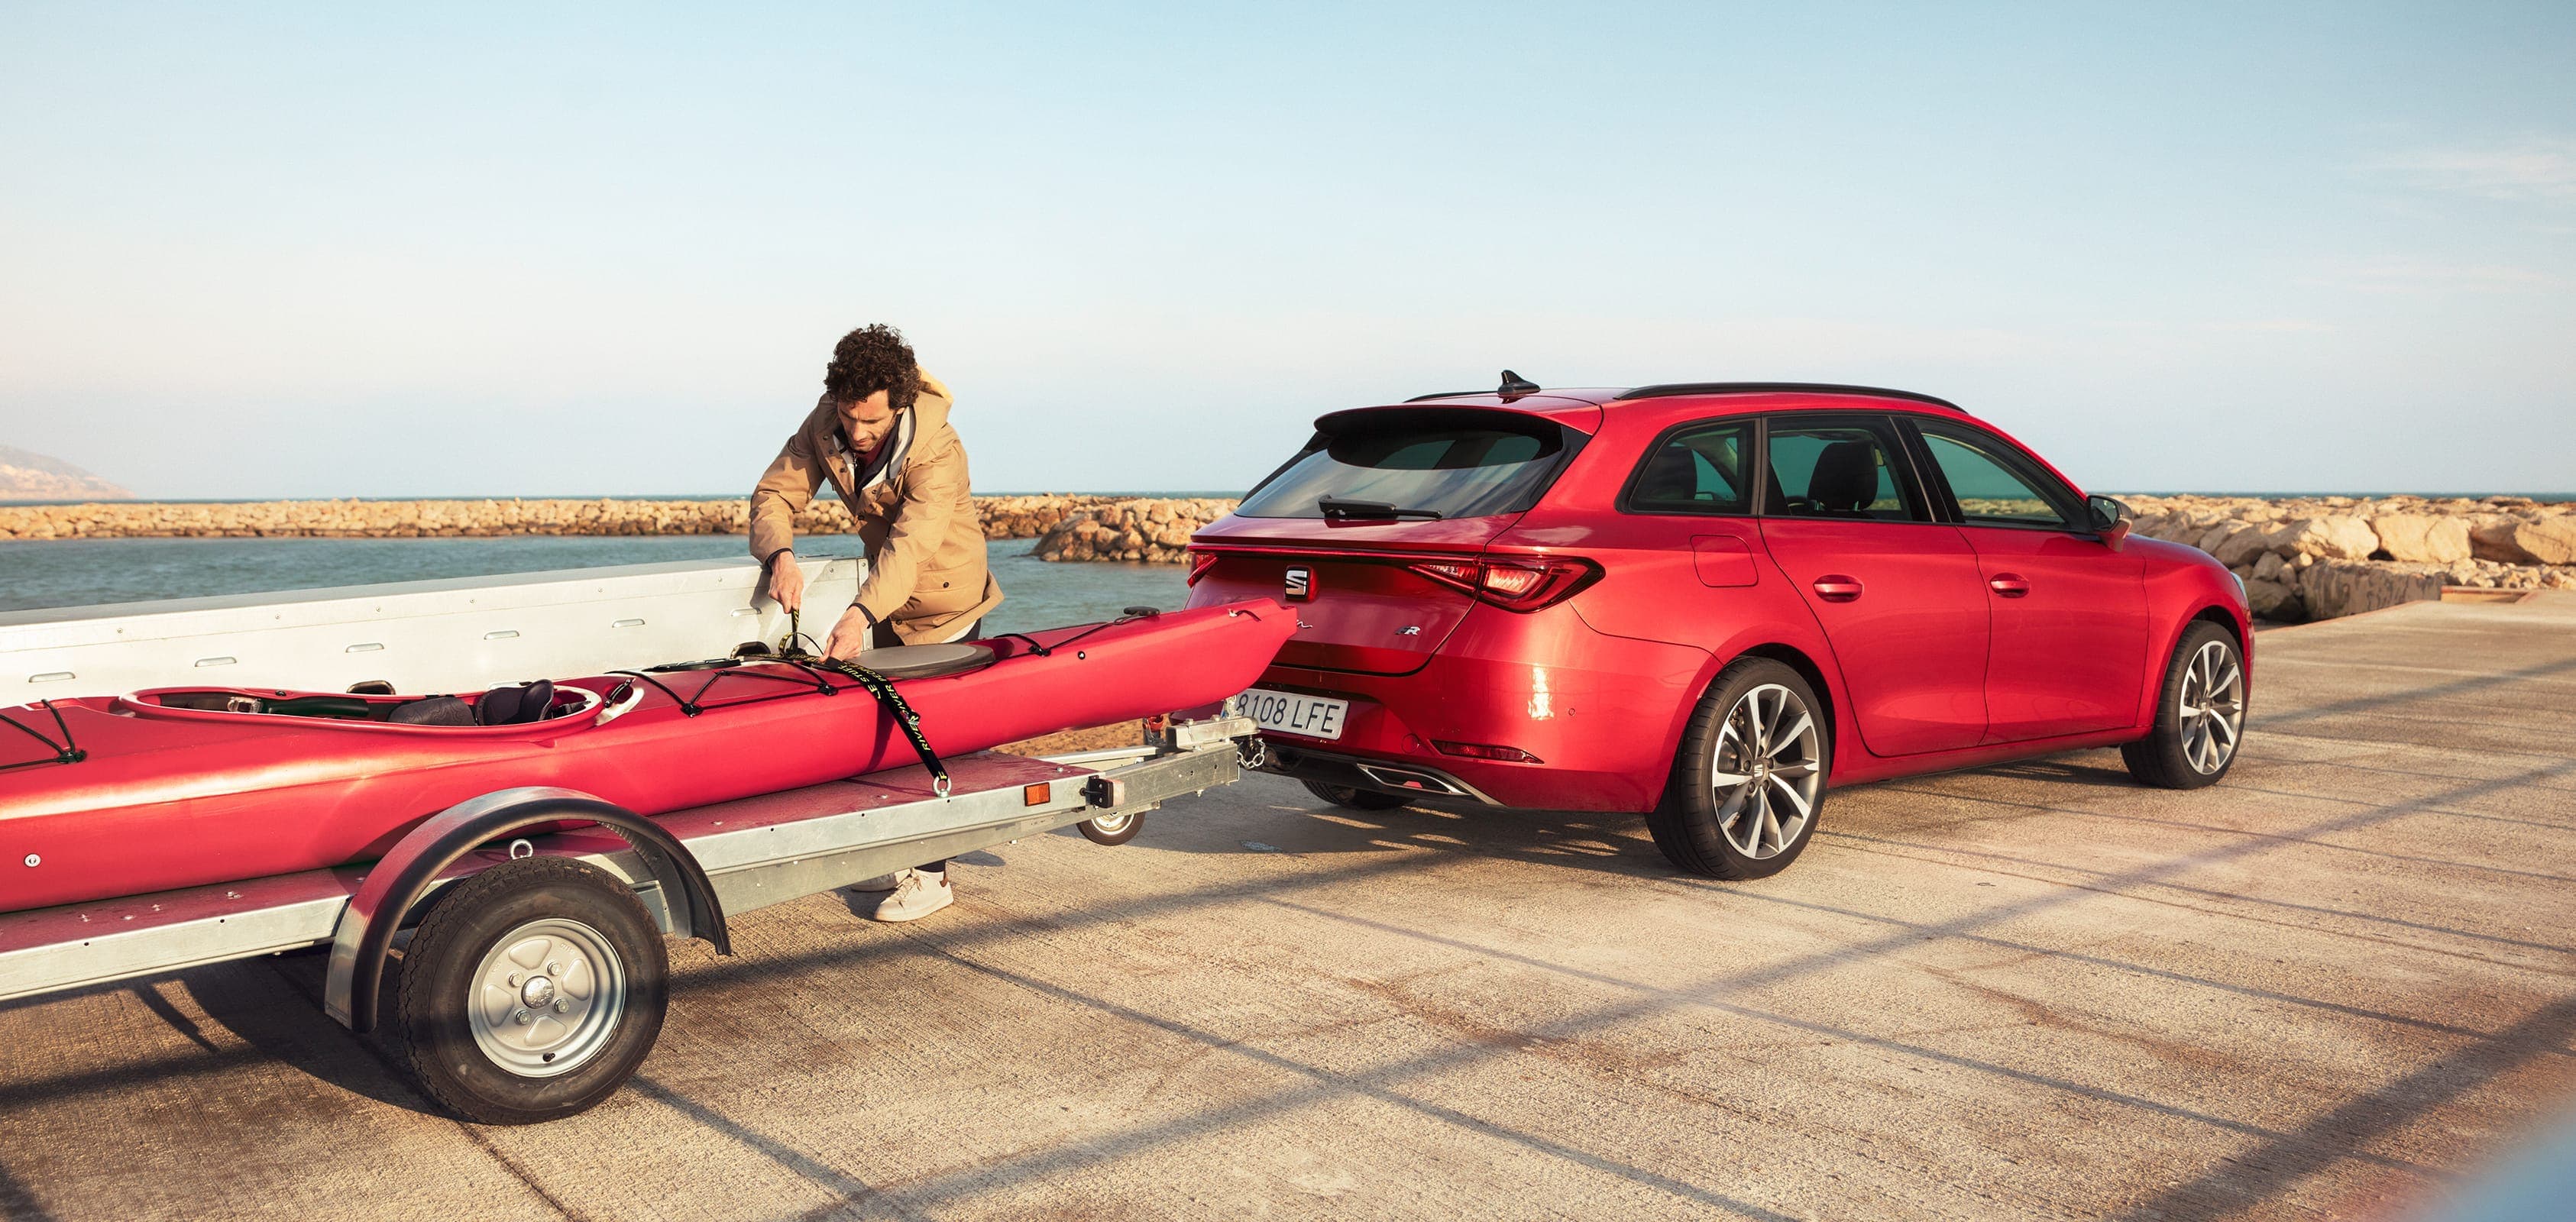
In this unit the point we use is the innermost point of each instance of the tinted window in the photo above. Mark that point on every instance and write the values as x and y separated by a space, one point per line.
1837 472
1983 480
1698 470
1456 472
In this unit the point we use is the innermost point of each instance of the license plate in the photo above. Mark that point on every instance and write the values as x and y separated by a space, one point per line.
1291 713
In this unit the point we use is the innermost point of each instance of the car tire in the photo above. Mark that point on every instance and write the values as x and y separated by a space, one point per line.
2200 714
1748 781
1349 798
530 992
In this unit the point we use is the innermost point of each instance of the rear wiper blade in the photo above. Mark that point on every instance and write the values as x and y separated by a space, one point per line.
1336 507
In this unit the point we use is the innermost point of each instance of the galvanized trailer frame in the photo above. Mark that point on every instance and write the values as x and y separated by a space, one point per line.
754 852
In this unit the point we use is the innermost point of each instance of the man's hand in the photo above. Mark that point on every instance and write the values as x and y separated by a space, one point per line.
787 582
848 636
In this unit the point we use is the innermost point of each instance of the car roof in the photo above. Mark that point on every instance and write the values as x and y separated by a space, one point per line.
1762 396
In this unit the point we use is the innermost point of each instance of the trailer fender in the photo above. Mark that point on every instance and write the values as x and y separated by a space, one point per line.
397 882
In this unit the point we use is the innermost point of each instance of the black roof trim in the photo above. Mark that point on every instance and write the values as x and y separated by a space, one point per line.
1670 389
1448 394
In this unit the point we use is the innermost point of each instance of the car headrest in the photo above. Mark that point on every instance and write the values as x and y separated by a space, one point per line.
1846 477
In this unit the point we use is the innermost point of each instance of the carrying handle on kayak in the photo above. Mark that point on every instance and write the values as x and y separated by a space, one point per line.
622 700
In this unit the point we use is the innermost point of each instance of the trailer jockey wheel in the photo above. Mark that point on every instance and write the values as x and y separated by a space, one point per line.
1113 829
531 991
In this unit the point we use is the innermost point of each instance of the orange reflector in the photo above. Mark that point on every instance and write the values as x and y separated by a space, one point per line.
1037 795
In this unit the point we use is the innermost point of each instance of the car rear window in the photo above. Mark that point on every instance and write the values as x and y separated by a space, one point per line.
1456 469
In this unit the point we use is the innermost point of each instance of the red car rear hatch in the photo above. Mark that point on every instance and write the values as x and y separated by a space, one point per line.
1371 533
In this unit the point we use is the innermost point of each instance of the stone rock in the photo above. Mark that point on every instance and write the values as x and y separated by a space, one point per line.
2491 537
2332 588
2420 537
2550 540
2330 537
2273 600
2238 544
2268 567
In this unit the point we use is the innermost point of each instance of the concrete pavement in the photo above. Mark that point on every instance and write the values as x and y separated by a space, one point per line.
2321 989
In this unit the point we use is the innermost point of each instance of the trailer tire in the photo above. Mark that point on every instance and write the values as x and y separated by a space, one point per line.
530 992
1112 829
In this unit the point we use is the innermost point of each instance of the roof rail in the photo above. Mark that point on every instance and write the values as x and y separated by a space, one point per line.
1669 389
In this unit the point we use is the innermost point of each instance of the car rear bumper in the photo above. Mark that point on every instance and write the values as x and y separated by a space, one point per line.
1599 715
1361 772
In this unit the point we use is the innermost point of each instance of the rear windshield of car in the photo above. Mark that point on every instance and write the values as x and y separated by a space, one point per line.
1458 471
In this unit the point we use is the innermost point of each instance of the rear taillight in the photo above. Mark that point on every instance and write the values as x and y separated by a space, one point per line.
1200 563
1514 585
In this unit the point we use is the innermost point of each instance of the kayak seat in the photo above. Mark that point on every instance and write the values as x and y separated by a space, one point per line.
516 706
432 711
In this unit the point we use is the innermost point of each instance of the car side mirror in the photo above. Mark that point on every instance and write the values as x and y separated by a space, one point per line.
2110 520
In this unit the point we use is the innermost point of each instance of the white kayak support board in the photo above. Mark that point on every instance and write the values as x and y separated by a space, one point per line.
455 635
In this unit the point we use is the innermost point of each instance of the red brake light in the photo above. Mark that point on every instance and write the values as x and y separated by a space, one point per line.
1514 585
1486 751
1200 563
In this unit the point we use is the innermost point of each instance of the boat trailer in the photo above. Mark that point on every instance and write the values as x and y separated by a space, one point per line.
517 965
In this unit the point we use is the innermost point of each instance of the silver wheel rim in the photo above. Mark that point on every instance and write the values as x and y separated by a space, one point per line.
1111 825
2211 707
546 998
1764 773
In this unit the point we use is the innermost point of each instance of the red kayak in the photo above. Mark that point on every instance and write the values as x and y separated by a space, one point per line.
181 787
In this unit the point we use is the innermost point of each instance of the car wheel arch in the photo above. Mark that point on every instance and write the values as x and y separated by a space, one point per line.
1828 690
1796 659
2237 630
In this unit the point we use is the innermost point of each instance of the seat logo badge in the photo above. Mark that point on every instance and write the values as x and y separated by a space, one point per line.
1301 585
1409 630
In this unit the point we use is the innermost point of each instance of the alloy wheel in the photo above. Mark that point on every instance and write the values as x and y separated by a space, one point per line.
2211 707
1764 775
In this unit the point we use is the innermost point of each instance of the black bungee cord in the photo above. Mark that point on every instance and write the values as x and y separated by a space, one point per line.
65 752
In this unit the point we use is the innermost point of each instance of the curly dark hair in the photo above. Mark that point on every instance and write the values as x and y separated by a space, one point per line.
871 359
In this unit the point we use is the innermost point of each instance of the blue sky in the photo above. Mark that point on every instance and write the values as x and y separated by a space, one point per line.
531 250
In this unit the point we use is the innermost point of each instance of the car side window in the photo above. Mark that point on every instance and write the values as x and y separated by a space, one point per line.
1697 470
1836 471
1985 482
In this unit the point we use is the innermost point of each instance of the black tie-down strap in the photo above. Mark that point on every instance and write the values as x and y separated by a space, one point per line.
896 707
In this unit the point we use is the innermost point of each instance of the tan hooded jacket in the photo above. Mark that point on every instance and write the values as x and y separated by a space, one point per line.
926 573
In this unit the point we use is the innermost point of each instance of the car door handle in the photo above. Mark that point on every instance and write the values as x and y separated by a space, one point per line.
1836 588
2010 585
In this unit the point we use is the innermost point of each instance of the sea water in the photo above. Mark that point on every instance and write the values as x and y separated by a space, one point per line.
86 572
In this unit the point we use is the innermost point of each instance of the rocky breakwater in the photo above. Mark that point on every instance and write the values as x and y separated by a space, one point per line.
1155 530
2320 557
1004 517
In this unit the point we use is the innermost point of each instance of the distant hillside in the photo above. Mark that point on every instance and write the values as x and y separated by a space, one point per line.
34 477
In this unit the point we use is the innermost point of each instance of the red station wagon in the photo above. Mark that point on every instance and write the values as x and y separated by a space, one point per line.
1705 603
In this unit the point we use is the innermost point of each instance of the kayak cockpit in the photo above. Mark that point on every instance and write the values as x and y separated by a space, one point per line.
515 705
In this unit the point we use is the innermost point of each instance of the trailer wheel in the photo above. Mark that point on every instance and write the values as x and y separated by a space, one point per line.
1113 829
531 991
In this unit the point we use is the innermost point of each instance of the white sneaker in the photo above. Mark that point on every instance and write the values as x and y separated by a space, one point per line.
882 882
917 894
